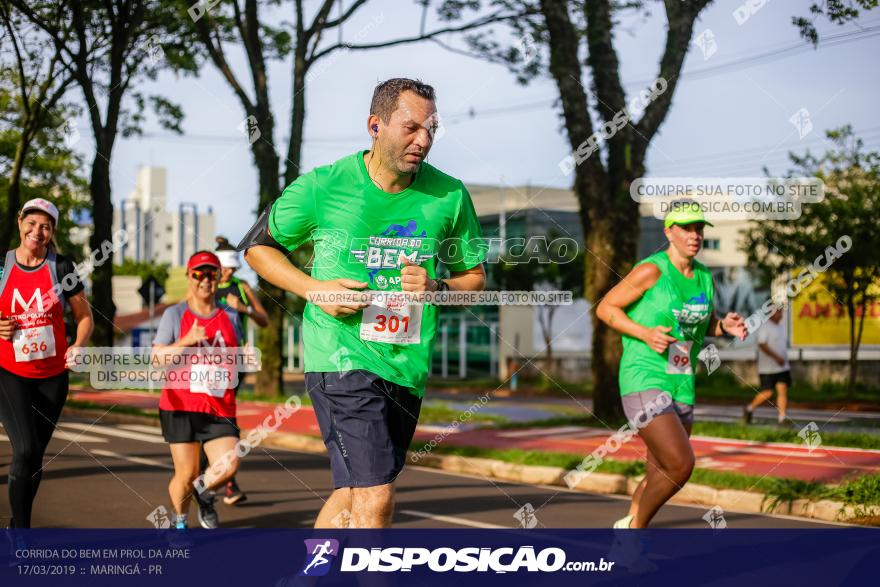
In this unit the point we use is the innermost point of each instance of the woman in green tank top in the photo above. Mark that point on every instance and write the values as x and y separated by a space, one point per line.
664 310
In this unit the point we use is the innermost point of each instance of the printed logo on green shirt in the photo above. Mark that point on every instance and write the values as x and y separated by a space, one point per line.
693 312
383 251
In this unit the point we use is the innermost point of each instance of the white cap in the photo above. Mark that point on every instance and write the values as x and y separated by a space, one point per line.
41 205
229 259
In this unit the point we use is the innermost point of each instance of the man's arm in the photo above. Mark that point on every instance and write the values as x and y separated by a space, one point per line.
765 348
273 266
473 279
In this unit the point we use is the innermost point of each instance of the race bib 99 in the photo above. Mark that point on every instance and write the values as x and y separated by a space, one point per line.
680 358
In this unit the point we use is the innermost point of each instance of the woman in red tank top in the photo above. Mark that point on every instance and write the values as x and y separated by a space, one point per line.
36 285
197 407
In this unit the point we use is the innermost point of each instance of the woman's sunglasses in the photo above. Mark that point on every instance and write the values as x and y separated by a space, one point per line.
200 274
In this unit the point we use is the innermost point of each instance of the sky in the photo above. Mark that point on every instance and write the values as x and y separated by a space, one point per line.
730 114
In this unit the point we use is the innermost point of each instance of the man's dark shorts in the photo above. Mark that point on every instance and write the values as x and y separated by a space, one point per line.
769 380
367 424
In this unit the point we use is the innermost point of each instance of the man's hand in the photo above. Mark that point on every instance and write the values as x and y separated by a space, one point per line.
780 360
340 285
414 278
657 339
734 325
7 328
195 335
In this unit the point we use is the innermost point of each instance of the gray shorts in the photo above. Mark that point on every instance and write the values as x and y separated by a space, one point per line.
641 405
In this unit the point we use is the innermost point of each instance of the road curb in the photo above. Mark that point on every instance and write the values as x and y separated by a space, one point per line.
732 500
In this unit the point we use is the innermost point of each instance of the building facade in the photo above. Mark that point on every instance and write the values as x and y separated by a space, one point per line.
155 233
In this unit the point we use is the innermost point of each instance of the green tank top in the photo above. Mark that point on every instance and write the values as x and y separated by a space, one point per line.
678 302
234 287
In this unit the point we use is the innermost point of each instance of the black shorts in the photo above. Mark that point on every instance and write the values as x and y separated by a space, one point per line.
367 424
179 426
769 380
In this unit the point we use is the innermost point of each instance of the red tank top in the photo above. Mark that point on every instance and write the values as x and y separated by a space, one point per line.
29 297
199 395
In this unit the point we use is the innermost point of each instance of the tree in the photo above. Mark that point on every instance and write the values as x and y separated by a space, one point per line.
107 47
851 208
553 38
239 21
50 168
837 11
38 85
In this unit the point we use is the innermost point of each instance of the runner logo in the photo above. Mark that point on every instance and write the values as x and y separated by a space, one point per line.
810 435
715 518
319 556
526 516
710 357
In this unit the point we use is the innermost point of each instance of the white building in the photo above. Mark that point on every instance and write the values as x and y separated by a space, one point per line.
155 234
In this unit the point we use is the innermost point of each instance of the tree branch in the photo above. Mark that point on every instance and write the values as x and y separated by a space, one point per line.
204 31
681 17
566 70
345 15
496 17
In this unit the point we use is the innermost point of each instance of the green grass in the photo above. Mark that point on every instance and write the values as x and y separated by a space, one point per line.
435 412
724 385
774 434
721 385
721 430
862 492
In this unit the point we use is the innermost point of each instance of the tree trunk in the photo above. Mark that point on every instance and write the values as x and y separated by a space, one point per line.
297 117
102 277
13 199
855 340
613 246
270 378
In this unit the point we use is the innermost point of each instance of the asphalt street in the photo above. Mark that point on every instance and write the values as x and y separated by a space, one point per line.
116 475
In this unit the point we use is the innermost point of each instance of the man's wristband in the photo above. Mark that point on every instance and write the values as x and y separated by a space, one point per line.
442 286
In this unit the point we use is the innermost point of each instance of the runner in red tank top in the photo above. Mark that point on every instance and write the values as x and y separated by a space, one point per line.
36 285
197 408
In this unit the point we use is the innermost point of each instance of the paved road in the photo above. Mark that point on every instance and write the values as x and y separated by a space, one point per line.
816 462
98 475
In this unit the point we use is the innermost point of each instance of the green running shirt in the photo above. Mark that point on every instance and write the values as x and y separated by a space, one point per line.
359 232
678 302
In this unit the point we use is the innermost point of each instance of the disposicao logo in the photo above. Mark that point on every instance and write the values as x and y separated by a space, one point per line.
320 553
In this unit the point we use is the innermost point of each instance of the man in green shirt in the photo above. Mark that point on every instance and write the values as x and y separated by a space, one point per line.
379 220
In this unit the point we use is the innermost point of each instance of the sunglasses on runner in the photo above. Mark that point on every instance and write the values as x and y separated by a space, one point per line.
200 274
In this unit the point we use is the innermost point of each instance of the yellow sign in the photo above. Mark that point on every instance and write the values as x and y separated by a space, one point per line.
817 319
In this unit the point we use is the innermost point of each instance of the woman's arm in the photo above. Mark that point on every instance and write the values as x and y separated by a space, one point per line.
258 313
82 315
611 309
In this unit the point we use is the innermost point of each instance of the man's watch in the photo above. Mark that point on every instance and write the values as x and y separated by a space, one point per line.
442 286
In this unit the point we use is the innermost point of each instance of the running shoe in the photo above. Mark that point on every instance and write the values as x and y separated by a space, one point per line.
623 522
234 494
747 415
208 517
